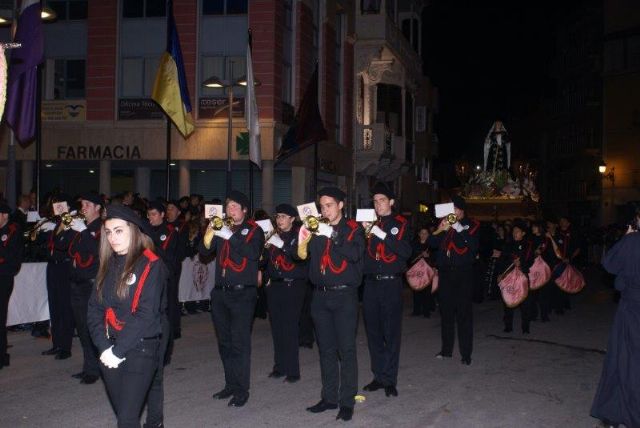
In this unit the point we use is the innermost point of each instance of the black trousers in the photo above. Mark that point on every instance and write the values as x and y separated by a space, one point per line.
335 315
80 293
232 315
129 384
306 335
455 291
173 304
6 288
382 311
525 314
60 312
285 301
423 302
544 299
155 398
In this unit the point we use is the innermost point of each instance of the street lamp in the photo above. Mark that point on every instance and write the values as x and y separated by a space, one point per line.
602 168
216 82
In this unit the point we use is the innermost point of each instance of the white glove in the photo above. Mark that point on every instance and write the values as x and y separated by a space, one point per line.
78 225
375 230
109 359
225 233
458 227
276 241
48 226
325 230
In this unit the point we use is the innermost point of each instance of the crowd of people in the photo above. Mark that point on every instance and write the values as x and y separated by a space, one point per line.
113 268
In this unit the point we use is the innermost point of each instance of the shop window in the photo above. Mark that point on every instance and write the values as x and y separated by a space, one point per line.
224 7
143 8
69 9
69 79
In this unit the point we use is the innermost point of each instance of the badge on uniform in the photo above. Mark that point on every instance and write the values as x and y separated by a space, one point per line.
131 279
244 232
163 237
4 238
559 241
394 231
93 234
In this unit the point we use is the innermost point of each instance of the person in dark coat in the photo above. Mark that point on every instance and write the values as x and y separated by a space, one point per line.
10 260
127 312
617 399
423 300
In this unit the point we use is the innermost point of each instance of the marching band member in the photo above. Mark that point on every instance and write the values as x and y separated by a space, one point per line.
335 268
233 298
57 237
83 251
10 260
521 253
388 249
126 312
457 247
285 293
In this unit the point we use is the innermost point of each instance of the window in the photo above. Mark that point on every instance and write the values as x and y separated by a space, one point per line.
69 79
225 68
144 8
138 76
224 7
339 75
287 54
69 9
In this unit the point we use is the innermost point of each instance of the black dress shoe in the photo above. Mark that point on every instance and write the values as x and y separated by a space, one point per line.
442 356
237 401
223 394
52 351
373 386
390 390
276 374
78 375
88 379
63 355
292 379
466 361
345 413
306 345
321 407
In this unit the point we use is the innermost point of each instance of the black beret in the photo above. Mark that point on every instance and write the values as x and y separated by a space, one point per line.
63 197
174 202
92 197
238 197
127 214
459 202
286 209
156 205
5 209
382 189
333 192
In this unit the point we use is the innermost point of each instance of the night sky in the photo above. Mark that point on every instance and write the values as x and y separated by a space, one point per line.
489 60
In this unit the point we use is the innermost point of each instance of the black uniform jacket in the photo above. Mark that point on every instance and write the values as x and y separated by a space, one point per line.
283 263
456 249
520 250
339 260
84 250
389 256
166 239
237 258
125 322
10 249
58 243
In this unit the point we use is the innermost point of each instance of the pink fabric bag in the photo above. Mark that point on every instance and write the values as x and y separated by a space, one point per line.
420 275
539 273
514 288
571 280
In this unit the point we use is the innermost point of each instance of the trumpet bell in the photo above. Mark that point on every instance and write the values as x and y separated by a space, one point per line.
313 223
217 223
452 219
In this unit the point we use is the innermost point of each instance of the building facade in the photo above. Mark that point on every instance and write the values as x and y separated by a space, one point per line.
102 131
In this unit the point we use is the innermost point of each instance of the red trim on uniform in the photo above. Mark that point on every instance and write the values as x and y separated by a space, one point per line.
141 281
110 319
254 226
225 261
474 228
171 230
325 260
448 245
404 222
280 260
150 255
354 226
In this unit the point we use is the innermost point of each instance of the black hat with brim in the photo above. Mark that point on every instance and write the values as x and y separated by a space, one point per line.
459 202
333 192
127 214
92 197
286 209
238 197
382 189
5 209
157 205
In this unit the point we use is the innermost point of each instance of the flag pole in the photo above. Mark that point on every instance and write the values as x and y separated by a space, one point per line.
250 163
168 160
38 135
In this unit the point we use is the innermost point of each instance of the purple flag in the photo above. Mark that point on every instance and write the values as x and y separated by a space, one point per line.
23 73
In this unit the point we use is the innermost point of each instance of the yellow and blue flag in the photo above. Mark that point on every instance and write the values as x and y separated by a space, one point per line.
170 89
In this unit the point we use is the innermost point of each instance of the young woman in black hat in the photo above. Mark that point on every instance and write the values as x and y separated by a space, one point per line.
126 312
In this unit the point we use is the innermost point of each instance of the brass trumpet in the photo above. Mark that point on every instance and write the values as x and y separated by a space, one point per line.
67 219
367 230
451 219
313 223
217 223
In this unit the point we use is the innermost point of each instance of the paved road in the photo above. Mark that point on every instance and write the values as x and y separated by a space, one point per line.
545 379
